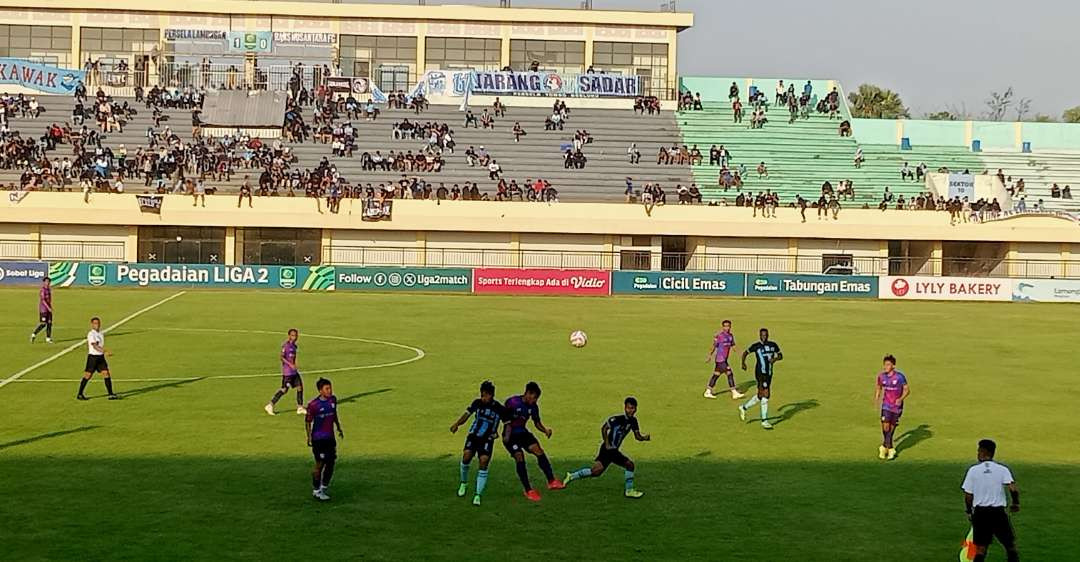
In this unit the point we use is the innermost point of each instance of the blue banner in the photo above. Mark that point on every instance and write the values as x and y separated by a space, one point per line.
678 283
40 77
552 83
22 272
788 285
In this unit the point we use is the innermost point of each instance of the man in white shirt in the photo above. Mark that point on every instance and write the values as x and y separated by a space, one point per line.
984 501
95 360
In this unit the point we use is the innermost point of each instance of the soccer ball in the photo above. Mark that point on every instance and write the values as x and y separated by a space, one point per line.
578 338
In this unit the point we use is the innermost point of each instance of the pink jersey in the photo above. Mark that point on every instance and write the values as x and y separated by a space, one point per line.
893 387
723 344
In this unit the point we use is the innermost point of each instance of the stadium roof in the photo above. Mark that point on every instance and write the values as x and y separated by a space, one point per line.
678 20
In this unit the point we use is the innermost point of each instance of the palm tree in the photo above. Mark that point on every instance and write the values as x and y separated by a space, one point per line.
876 103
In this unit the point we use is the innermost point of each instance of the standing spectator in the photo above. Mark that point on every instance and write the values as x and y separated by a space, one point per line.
858 157
518 132
245 192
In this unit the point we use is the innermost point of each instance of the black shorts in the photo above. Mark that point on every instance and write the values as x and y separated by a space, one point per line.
764 382
96 364
45 317
325 450
611 456
520 442
480 446
990 522
291 381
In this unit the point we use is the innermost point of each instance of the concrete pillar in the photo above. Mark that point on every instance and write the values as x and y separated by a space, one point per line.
882 267
608 259
238 247
35 241
656 251
793 255
1066 256
421 49
1018 141
326 243
230 245
421 248
969 133
589 47
76 43
899 131
131 245
1013 253
936 255
504 55
515 249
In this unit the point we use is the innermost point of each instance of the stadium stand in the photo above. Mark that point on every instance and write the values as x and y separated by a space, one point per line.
800 156
539 154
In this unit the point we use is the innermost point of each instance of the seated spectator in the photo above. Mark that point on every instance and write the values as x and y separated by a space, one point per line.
845 128
518 132
762 171
906 172
633 153
471 119
695 193
1066 192
498 108
1055 191
697 102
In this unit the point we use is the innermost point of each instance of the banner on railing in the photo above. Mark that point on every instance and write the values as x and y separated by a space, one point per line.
348 85
1045 290
403 279
962 186
377 210
22 272
678 283
789 285
41 77
453 86
542 281
150 203
945 288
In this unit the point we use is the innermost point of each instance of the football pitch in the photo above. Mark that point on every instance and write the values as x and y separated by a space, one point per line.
188 466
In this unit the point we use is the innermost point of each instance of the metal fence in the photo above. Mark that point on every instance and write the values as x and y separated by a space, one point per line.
627 260
61 250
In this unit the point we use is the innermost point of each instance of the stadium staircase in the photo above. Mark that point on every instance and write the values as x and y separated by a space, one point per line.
539 153
1040 170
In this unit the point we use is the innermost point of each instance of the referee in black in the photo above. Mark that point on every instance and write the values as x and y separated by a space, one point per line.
984 499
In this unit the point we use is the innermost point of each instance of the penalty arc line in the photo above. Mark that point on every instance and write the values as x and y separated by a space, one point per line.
73 346
418 355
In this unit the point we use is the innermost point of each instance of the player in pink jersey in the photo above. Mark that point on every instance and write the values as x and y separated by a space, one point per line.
891 390
722 345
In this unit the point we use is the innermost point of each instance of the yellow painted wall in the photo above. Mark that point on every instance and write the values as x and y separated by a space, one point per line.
475 249
558 250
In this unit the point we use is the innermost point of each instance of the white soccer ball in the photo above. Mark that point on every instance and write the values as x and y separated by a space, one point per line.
578 338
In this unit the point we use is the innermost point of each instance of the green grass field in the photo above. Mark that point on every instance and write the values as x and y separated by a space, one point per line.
194 469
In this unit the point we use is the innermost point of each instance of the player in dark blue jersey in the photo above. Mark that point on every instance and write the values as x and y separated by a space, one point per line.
517 440
481 439
320 422
767 353
614 430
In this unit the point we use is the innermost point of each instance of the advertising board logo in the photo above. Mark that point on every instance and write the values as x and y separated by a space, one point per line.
762 285
553 82
900 287
287 278
96 274
2 274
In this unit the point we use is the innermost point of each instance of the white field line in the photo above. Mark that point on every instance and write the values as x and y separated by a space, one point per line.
76 345
418 355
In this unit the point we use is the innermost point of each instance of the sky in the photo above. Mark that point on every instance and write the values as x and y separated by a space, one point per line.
937 54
